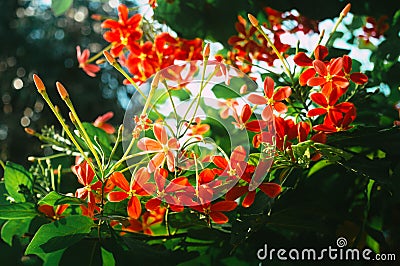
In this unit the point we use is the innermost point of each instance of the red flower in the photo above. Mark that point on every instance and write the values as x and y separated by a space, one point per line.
137 187
358 78
214 211
338 121
166 192
271 98
301 59
148 219
54 214
242 121
90 69
328 104
162 147
123 32
142 61
374 29
100 122
270 189
85 176
232 168
329 77
174 73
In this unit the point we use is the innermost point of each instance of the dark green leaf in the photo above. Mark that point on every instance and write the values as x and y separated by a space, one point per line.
60 6
54 198
107 257
18 181
14 227
59 235
17 211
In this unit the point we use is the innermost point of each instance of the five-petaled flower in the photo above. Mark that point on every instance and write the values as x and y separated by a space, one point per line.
138 186
214 211
123 32
271 97
162 147
83 57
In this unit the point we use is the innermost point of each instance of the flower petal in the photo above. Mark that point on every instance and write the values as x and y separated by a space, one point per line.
219 217
225 205
270 189
160 133
257 99
148 144
134 208
249 199
120 181
156 162
117 196
269 85
320 67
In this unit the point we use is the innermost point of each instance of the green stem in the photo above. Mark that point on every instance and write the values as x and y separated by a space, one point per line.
98 54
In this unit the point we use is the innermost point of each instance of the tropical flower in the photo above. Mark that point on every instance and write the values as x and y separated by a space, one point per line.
271 97
50 212
138 186
123 32
242 121
215 211
90 69
162 147
100 122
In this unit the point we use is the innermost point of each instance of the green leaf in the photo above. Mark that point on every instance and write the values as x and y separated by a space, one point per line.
101 135
60 6
59 235
16 211
107 257
54 198
18 181
331 153
14 227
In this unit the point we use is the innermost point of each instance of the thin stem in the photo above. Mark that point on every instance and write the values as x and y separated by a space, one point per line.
2 164
283 60
166 222
66 128
117 141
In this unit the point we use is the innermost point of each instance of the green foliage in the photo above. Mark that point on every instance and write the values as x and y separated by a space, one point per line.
16 211
54 198
56 236
18 181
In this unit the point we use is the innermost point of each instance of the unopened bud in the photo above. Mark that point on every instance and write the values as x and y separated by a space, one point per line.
30 131
39 84
109 57
62 91
72 117
345 10
253 20
96 17
31 158
207 50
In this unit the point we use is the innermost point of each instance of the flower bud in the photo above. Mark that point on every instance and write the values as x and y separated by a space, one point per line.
39 84
253 20
109 57
345 10
207 50
30 131
72 117
62 91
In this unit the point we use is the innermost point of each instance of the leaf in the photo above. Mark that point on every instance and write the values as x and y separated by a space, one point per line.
232 90
16 211
54 198
107 257
101 135
60 6
17 181
14 227
331 153
59 235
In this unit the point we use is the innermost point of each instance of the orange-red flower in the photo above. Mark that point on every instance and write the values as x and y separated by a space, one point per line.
271 97
198 129
242 121
166 192
162 147
227 106
215 211
357 77
123 32
329 76
50 212
270 189
148 219
138 186
100 122
90 69
328 104
338 121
